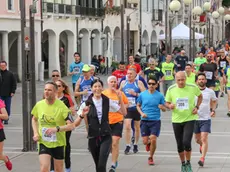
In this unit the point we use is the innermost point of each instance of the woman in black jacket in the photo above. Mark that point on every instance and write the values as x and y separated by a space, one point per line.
95 110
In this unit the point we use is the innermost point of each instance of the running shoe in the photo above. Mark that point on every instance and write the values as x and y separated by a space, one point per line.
188 167
150 161
8 164
200 149
135 148
147 147
116 164
183 168
222 95
112 169
228 114
127 149
201 162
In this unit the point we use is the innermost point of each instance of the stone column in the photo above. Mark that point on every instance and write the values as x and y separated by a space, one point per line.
5 47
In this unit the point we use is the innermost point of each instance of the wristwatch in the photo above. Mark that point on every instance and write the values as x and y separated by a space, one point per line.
211 110
197 107
58 128
81 117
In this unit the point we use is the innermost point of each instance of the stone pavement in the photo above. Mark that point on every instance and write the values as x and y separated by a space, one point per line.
166 158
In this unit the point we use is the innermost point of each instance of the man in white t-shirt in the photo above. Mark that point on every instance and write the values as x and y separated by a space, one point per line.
206 110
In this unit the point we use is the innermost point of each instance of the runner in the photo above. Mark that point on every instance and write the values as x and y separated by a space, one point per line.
180 98
168 69
206 111
222 64
226 76
3 116
199 61
210 70
131 63
149 104
50 116
75 69
132 87
120 72
181 61
96 112
55 75
115 118
190 76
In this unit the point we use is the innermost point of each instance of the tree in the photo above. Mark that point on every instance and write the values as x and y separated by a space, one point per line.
226 3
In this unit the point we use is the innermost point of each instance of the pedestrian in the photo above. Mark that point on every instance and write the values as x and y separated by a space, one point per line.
75 69
63 94
132 87
8 86
149 104
96 112
50 120
205 112
180 98
115 118
3 116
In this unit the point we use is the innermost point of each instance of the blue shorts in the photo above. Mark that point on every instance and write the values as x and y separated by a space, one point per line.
201 126
228 88
150 128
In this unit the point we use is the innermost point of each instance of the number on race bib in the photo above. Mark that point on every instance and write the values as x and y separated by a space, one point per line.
168 72
48 138
132 101
182 104
208 74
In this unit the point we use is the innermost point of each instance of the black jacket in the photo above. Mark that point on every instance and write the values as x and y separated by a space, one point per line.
95 127
8 83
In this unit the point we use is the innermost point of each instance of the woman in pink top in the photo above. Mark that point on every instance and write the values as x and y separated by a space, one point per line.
3 116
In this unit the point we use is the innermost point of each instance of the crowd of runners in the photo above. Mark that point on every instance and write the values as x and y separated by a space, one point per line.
132 103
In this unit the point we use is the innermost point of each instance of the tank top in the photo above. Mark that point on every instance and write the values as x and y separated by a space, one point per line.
86 84
132 99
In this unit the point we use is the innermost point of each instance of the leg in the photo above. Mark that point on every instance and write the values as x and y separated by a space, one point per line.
94 150
133 128
198 139
187 138
204 140
51 164
104 153
137 131
153 145
58 155
115 149
178 132
58 165
128 131
44 160
68 150
2 156
228 100
8 104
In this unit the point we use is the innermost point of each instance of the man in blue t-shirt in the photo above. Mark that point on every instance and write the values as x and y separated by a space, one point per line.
75 69
149 105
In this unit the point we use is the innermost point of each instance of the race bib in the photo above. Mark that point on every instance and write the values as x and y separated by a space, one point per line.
223 64
114 105
48 138
182 104
208 74
168 72
76 70
86 96
132 101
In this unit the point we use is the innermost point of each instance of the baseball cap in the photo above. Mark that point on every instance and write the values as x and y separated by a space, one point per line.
86 68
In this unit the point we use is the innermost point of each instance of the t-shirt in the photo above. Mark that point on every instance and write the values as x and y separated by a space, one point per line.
204 109
182 61
209 69
2 105
119 74
149 104
184 101
50 116
191 79
115 117
199 61
227 73
138 77
77 69
153 73
168 70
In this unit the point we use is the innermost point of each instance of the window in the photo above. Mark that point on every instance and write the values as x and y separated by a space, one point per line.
10 4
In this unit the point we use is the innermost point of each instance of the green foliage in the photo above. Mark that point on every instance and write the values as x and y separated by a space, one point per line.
226 3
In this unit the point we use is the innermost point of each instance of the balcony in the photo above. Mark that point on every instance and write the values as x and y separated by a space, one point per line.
92 12
157 15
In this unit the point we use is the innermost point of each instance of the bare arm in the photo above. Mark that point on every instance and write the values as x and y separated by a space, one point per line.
213 104
139 109
123 109
77 87
141 86
4 114
199 100
121 85
35 126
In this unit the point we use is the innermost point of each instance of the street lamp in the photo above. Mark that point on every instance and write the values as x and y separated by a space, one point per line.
197 10
227 17
80 36
175 6
187 2
207 6
93 35
215 15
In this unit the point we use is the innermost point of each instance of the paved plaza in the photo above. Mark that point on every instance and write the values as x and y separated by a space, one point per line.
166 158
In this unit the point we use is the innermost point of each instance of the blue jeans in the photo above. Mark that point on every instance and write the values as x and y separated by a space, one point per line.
7 100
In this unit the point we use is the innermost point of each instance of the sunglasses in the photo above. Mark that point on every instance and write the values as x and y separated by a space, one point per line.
152 83
151 64
55 75
59 85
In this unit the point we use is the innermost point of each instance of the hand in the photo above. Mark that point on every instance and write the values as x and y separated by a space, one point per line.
85 91
73 111
171 106
36 137
12 94
213 114
131 92
143 115
161 107
118 93
85 111
194 111
51 131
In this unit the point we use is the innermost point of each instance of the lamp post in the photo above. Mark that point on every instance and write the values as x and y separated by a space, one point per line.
103 37
91 41
227 20
174 7
122 30
221 10
80 36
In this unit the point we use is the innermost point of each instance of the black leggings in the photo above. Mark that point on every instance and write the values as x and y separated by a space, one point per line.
183 133
100 148
67 152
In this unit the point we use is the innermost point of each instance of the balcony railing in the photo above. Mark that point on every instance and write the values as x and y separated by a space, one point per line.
72 10
157 15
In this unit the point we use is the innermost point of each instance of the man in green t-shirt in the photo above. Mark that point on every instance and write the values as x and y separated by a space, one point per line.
51 118
180 98
199 60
